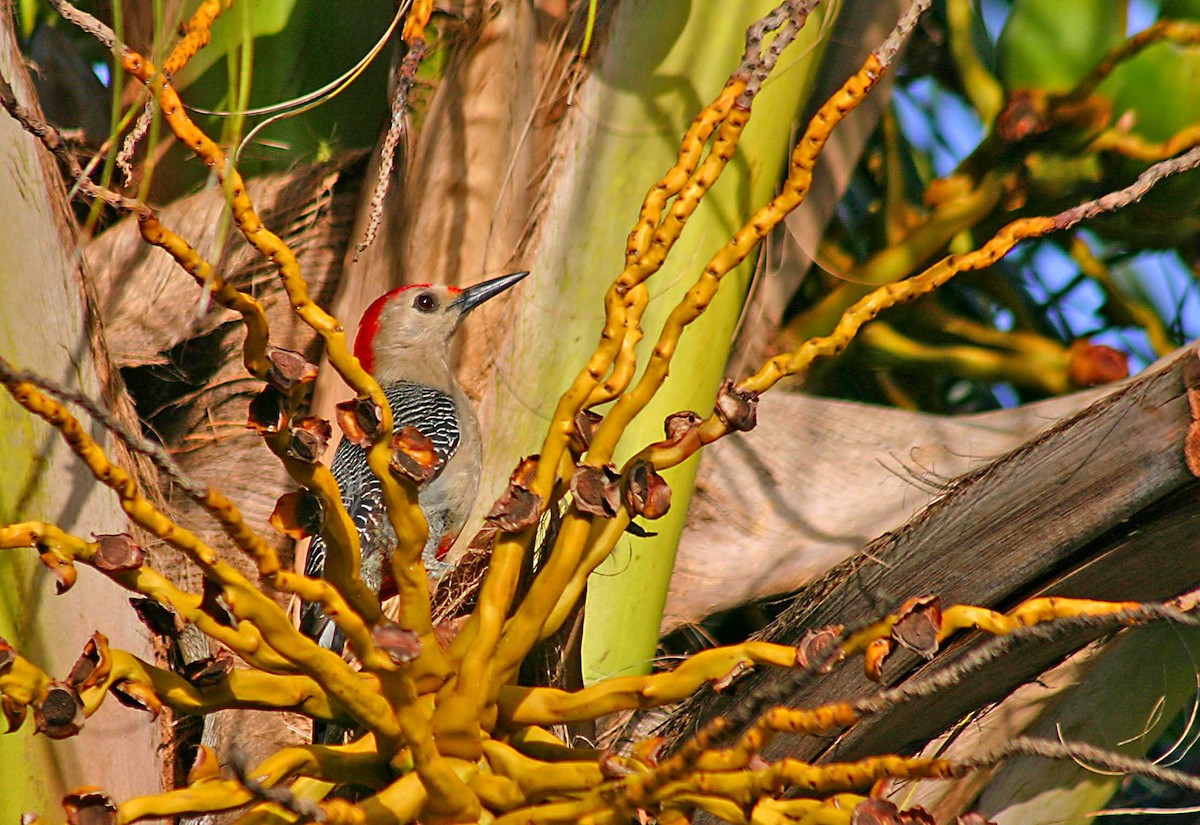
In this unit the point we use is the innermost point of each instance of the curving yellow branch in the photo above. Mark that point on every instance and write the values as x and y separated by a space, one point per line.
246 601
245 639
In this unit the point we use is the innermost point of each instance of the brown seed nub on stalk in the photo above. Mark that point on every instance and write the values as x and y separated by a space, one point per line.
757 763
93 665
137 696
873 811
723 684
1191 440
267 412
116 552
586 422
874 656
612 765
678 425
58 713
918 623
297 515
309 439
973 818
646 494
596 489
210 670
63 570
90 806
359 420
1095 364
159 619
289 369
1023 116
210 603
649 750
820 649
206 766
399 643
7 656
523 474
738 408
518 507
14 713
414 456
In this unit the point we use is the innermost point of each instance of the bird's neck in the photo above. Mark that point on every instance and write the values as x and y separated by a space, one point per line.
429 369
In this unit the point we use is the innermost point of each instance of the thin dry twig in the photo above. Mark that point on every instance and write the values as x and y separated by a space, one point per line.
397 128
305 809
134 442
86 22
125 156
1082 752
996 647
53 140
1132 193
758 63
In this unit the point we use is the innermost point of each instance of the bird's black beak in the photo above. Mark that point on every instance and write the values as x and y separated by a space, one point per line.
473 296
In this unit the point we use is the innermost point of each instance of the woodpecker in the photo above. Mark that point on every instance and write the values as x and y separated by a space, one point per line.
403 340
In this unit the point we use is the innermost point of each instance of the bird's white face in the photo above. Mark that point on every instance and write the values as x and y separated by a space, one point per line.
416 322
420 315
410 327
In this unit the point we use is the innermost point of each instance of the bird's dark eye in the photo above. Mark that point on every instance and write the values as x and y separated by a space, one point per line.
426 302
